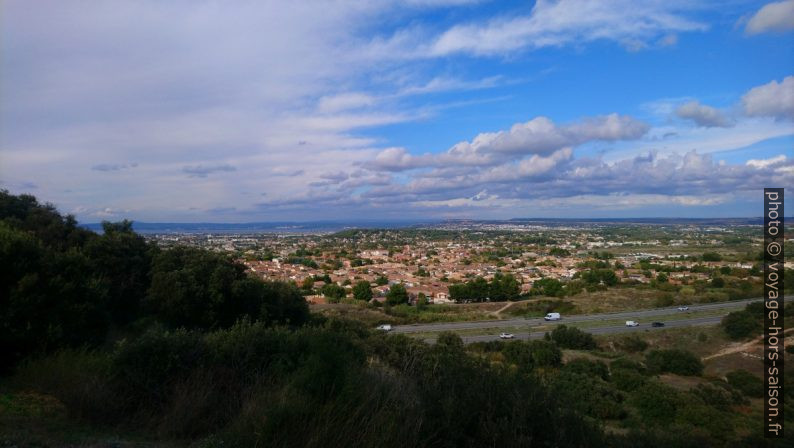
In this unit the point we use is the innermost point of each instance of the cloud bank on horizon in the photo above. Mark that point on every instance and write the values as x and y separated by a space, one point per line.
276 110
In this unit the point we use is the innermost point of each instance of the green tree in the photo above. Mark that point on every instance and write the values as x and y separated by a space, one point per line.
573 338
122 260
675 361
362 291
740 324
333 292
397 294
382 280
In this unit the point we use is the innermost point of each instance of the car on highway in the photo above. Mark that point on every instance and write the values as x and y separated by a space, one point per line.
553 316
632 323
683 308
657 324
384 327
507 336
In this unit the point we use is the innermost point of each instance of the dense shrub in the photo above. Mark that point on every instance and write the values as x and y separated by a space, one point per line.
573 338
656 403
633 344
675 361
740 324
545 354
586 367
628 380
589 394
747 383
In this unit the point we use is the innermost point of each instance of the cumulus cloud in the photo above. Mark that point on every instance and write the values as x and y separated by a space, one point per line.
539 136
702 115
774 99
772 17
204 171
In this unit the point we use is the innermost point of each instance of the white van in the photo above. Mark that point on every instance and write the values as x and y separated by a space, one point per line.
553 316
384 327
631 323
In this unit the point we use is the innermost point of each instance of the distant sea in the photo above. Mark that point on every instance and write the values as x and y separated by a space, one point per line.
263 227
315 227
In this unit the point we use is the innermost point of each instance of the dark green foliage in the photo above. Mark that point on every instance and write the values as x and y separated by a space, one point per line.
675 361
382 280
48 299
193 288
596 276
747 383
741 324
362 291
450 340
627 364
545 354
333 292
547 287
573 338
122 259
397 294
656 403
712 256
502 287
628 380
589 394
43 221
633 344
519 354
63 286
586 367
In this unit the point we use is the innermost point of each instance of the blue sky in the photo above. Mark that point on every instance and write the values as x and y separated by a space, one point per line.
274 110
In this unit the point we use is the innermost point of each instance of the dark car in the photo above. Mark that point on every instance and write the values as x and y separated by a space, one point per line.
657 324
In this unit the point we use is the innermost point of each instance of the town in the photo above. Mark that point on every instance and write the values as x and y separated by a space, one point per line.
465 262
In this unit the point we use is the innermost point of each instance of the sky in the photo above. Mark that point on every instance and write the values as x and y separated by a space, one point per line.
269 110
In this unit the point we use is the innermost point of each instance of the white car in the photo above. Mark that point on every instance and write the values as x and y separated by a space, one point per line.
384 327
683 308
506 336
631 323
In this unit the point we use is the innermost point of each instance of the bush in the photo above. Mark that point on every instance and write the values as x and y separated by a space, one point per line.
545 354
573 338
79 378
633 344
675 361
628 380
148 366
656 403
583 366
450 340
740 324
747 383
589 395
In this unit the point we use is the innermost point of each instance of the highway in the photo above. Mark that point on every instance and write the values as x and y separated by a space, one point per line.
637 315
713 320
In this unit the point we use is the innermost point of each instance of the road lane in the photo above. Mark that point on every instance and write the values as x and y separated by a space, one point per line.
627 315
711 320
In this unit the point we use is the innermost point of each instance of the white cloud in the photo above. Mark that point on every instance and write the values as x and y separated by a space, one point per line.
772 17
771 100
764 163
557 23
702 115
344 101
